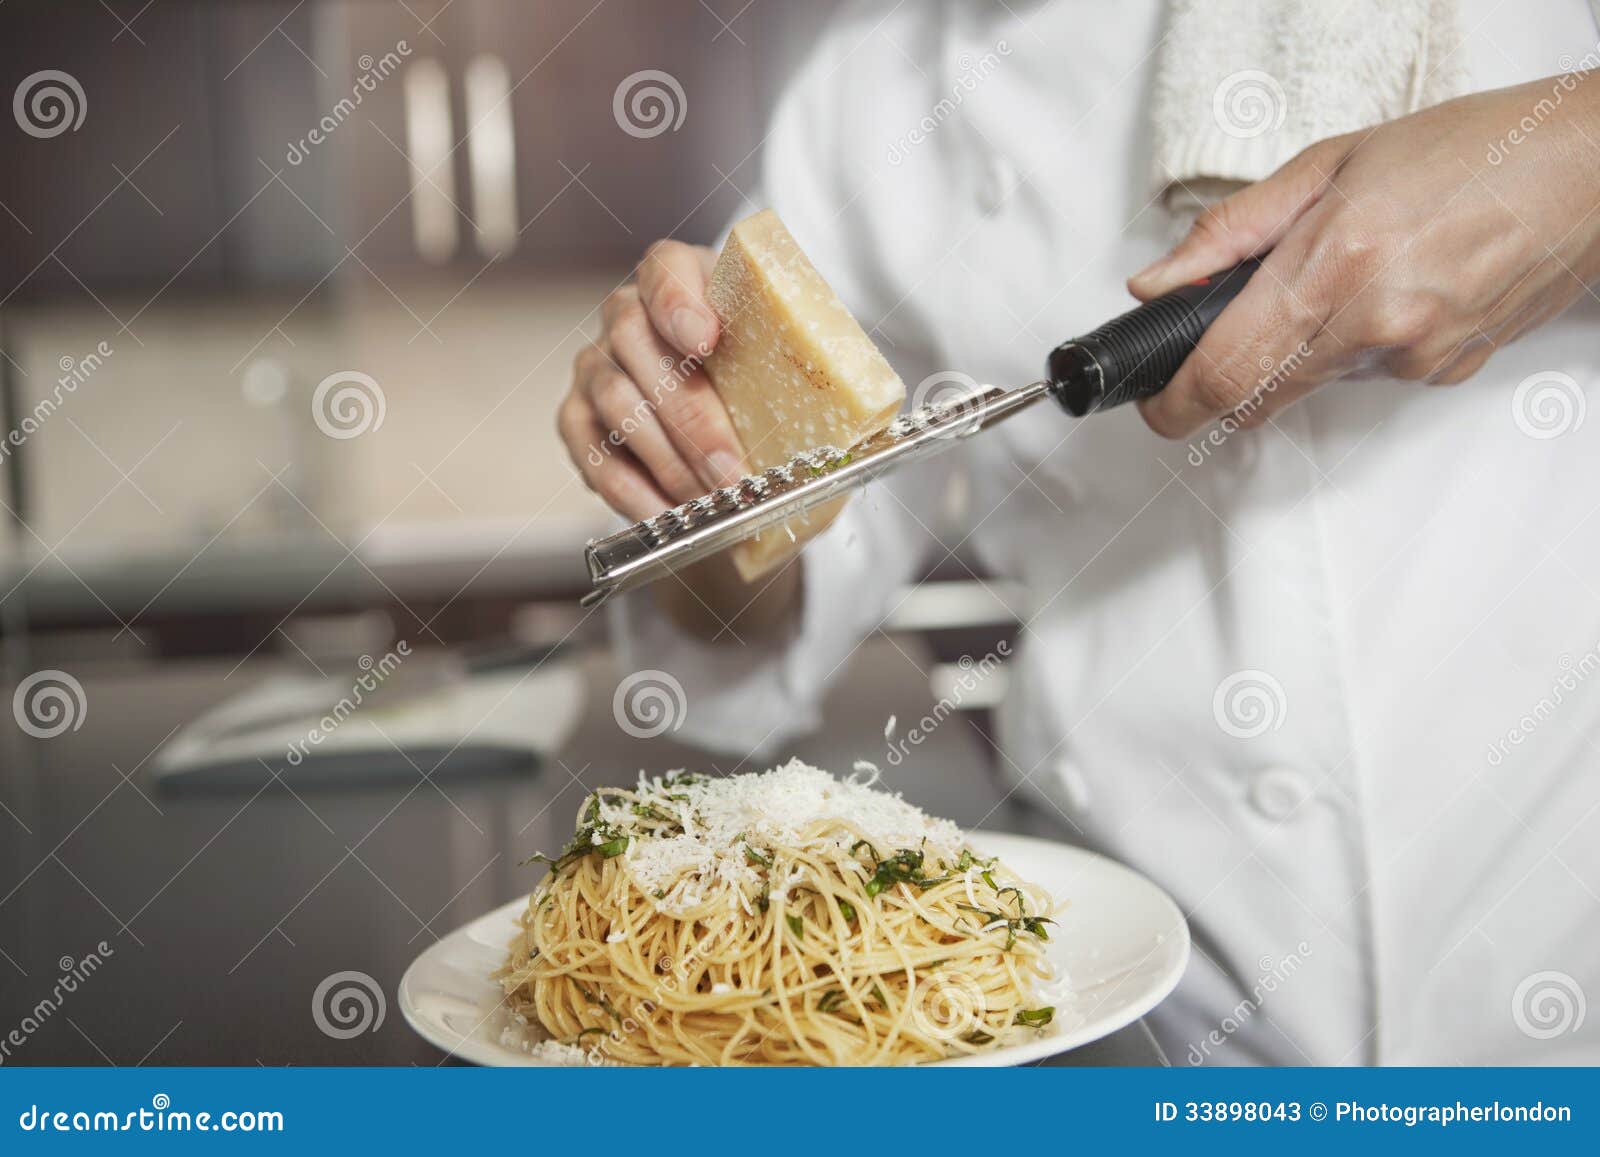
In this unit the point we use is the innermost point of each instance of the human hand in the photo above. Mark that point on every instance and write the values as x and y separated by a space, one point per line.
1412 250
641 421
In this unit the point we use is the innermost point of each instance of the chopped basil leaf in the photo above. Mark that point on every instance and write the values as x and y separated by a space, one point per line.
904 867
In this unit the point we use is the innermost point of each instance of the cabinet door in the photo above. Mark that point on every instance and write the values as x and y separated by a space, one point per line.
253 144
626 120
161 181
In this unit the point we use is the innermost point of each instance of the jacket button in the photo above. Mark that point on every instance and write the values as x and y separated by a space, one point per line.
1278 792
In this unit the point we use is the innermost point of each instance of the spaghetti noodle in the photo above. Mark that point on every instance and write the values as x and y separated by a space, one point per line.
786 918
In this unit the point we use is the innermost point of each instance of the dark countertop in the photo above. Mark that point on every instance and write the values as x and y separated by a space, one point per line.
224 910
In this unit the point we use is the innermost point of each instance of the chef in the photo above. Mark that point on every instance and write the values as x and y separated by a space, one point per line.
1312 637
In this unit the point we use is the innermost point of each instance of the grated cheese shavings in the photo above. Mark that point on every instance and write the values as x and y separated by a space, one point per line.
550 1052
726 819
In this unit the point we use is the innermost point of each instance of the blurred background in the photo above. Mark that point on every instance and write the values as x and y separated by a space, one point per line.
289 633
433 195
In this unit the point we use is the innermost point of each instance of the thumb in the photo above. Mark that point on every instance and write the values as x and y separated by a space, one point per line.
1246 223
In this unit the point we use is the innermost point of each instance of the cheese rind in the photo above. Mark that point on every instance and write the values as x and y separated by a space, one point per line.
793 367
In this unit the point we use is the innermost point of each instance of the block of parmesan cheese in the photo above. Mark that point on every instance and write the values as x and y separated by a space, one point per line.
794 369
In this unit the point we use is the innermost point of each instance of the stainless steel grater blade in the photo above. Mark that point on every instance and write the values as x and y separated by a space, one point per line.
686 533
1129 357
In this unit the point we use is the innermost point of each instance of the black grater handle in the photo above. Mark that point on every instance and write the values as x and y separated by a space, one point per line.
1136 355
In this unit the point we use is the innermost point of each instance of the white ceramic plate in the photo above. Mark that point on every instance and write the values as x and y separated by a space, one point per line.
1122 945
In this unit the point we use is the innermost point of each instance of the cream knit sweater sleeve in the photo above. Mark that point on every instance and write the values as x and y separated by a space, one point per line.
1243 85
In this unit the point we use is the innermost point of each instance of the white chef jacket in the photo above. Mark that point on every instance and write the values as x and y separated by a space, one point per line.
1402 583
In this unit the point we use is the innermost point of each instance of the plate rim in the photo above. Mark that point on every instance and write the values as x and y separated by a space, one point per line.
482 1053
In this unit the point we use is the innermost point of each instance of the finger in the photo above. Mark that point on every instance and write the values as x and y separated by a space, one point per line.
1534 311
1246 224
672 283
686 404
615 475
1463 366
1260 408
1425 360
1253 356
630 420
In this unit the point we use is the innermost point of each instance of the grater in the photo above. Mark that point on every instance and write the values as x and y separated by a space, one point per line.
1132 356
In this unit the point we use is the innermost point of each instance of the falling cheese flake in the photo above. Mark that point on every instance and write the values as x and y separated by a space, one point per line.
867 769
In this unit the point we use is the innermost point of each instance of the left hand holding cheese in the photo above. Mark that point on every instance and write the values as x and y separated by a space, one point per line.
642 422
1412 250
646 430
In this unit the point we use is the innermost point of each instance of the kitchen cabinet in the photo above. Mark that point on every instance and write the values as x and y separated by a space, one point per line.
162 181
250 145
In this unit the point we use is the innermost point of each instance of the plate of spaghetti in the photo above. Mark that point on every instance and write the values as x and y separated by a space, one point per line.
793 918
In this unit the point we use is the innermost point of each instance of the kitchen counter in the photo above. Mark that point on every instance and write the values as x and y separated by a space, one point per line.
223 910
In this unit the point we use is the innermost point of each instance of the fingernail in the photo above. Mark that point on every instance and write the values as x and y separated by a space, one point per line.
1153 268
690 329
728 468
